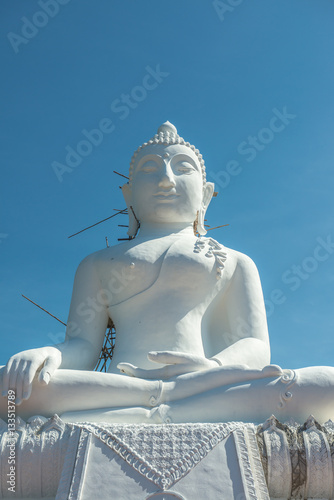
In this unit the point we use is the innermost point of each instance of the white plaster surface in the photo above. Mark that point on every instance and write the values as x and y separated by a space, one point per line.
191 347
217 475
224 471
191 333
159 288
240 461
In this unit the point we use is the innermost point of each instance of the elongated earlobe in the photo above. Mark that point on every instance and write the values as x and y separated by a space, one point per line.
195 224
133 221
207 195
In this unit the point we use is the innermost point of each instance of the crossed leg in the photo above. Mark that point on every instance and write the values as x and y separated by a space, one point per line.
75 390
219 394
295 394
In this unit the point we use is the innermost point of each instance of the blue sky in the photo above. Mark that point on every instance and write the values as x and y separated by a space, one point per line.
249 83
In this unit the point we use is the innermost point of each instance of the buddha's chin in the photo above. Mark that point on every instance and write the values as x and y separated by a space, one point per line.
165 214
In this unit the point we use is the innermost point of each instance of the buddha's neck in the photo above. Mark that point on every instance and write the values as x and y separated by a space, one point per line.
156 230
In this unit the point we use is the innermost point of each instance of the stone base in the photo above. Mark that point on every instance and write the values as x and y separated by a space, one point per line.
167 462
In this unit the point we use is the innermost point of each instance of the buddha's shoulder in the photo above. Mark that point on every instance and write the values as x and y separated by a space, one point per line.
240 260
108 254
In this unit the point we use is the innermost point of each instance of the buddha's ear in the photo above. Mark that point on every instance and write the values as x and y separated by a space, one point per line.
133 224
208 191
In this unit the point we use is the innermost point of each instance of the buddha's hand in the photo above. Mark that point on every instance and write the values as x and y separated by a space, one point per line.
21 369
176 363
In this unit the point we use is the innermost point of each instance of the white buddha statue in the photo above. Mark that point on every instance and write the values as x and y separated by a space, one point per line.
180 303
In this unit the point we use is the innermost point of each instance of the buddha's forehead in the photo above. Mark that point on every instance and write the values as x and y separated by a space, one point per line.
167 151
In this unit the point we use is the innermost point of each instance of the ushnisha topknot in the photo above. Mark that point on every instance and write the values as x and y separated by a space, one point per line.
167 134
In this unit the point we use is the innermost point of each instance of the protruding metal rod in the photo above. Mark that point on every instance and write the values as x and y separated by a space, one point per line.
217 227
47 312
138 222
134 214
125 177
107 243
124 211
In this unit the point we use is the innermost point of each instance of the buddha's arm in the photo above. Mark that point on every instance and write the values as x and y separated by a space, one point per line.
87 323
242 319
87 319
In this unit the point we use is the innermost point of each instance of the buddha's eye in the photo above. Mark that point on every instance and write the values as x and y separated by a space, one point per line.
149 166
184 167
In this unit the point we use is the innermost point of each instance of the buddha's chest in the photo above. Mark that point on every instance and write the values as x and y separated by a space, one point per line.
172 265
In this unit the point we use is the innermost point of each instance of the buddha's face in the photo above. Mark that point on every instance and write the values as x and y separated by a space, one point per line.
167 184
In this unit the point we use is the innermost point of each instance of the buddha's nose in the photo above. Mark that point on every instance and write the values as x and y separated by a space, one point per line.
167 178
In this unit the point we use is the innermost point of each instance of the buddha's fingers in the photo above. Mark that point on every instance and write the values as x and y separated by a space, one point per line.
133 371
28 379
11 373
168 357
50 366
12 378
21 374
5 378
272 371
127 368
163 373
181 358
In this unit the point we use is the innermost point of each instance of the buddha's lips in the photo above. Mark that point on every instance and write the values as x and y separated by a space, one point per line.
169 194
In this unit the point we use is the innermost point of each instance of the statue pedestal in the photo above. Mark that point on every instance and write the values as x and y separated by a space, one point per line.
187 461
237 461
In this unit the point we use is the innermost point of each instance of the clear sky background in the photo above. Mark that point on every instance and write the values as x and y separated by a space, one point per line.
222 76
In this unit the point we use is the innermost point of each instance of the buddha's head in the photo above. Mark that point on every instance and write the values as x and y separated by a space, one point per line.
167 182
